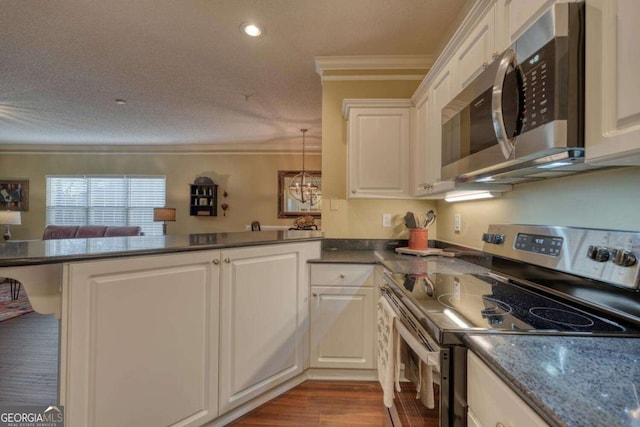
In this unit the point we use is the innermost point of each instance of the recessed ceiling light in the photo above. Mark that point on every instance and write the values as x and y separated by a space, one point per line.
251 29
121 101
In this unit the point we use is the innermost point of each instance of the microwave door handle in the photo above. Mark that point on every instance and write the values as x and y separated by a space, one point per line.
508 58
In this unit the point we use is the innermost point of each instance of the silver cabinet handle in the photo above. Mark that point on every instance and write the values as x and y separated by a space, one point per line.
314 295
485 64
342 276
216 261
495 55
227 260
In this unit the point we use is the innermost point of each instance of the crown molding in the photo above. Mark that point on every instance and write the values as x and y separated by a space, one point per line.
347 104
354 77
248 148
477 11
372 62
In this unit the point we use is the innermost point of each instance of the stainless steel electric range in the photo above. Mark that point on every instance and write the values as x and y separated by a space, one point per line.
527 280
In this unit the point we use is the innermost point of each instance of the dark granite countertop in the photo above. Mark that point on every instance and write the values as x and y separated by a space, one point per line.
32 252
569 381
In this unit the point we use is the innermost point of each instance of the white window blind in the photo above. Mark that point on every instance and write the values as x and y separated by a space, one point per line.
106 200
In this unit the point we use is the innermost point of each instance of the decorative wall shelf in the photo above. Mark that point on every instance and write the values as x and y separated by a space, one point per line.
203 200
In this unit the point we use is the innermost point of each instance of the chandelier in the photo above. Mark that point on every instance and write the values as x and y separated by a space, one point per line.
304 187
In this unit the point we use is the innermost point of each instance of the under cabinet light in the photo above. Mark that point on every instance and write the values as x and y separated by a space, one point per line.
470 195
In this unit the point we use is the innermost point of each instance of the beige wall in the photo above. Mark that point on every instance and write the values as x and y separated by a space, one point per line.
348 218
251 181
602 199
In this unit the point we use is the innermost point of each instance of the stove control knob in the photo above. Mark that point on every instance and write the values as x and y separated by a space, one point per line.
624 258
598 253
496 239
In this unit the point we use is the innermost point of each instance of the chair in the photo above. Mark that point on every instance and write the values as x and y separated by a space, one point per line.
255 226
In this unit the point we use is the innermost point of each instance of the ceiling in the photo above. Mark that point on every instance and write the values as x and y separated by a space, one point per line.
189 76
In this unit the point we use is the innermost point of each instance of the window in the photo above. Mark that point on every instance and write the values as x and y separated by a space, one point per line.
106 200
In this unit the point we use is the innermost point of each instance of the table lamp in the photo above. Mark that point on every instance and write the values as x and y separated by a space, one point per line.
164 215
9 218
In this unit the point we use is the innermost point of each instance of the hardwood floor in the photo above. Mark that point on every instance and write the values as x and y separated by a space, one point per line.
322 403
29 360
337 403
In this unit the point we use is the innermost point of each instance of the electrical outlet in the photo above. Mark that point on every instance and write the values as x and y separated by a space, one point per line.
457 222
386 220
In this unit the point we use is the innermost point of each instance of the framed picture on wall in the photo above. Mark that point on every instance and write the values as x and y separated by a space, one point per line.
14 195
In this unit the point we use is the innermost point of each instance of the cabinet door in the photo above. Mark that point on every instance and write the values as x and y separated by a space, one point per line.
476 52
441 95
264 307
342 331
612 105
500 406
513 17
378 153
140 341
422 175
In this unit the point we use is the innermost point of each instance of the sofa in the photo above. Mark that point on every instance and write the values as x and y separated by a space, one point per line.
86 231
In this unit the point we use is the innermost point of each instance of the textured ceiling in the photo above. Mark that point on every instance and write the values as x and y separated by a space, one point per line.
187 73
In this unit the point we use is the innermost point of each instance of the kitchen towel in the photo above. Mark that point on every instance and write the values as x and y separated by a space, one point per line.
386 337
428 360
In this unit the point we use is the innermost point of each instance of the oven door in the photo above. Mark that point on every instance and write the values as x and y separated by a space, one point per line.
419 401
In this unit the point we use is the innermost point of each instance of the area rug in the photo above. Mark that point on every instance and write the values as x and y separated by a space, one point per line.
13 308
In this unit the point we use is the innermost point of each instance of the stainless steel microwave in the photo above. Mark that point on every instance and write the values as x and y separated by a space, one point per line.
522 118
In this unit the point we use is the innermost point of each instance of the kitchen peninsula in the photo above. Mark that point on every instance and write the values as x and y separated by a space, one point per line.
170 330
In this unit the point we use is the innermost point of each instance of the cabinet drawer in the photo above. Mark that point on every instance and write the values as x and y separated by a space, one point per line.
501 406
341 275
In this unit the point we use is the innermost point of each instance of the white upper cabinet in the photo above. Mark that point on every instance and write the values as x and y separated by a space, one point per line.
513 17
422 175
378 138
441 95
476 52
612 99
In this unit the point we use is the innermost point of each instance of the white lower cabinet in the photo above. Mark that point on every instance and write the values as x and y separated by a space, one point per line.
263 319
140 341
342 316
492 402
180 339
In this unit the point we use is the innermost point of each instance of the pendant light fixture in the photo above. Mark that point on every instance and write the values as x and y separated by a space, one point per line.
304 187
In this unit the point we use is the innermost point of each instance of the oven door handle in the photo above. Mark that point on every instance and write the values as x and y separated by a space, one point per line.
430 356
507 145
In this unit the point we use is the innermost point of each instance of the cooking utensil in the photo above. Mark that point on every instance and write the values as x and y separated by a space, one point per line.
428 286
410 220
429 219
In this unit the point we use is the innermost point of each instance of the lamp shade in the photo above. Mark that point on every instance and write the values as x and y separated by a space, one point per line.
164 214
10 217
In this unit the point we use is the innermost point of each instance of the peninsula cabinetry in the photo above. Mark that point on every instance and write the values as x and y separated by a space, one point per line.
342 316
140 341
378 138
264 293
179 339
612 135
499 407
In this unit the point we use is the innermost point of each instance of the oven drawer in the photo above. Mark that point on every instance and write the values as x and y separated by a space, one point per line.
342 275
491 402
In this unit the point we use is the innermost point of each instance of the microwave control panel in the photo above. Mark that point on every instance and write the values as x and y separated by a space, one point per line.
538 82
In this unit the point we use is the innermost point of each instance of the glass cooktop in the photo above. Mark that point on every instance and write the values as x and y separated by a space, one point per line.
480 302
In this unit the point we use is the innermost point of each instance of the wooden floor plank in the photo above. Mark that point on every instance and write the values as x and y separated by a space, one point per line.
29 360
322 403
